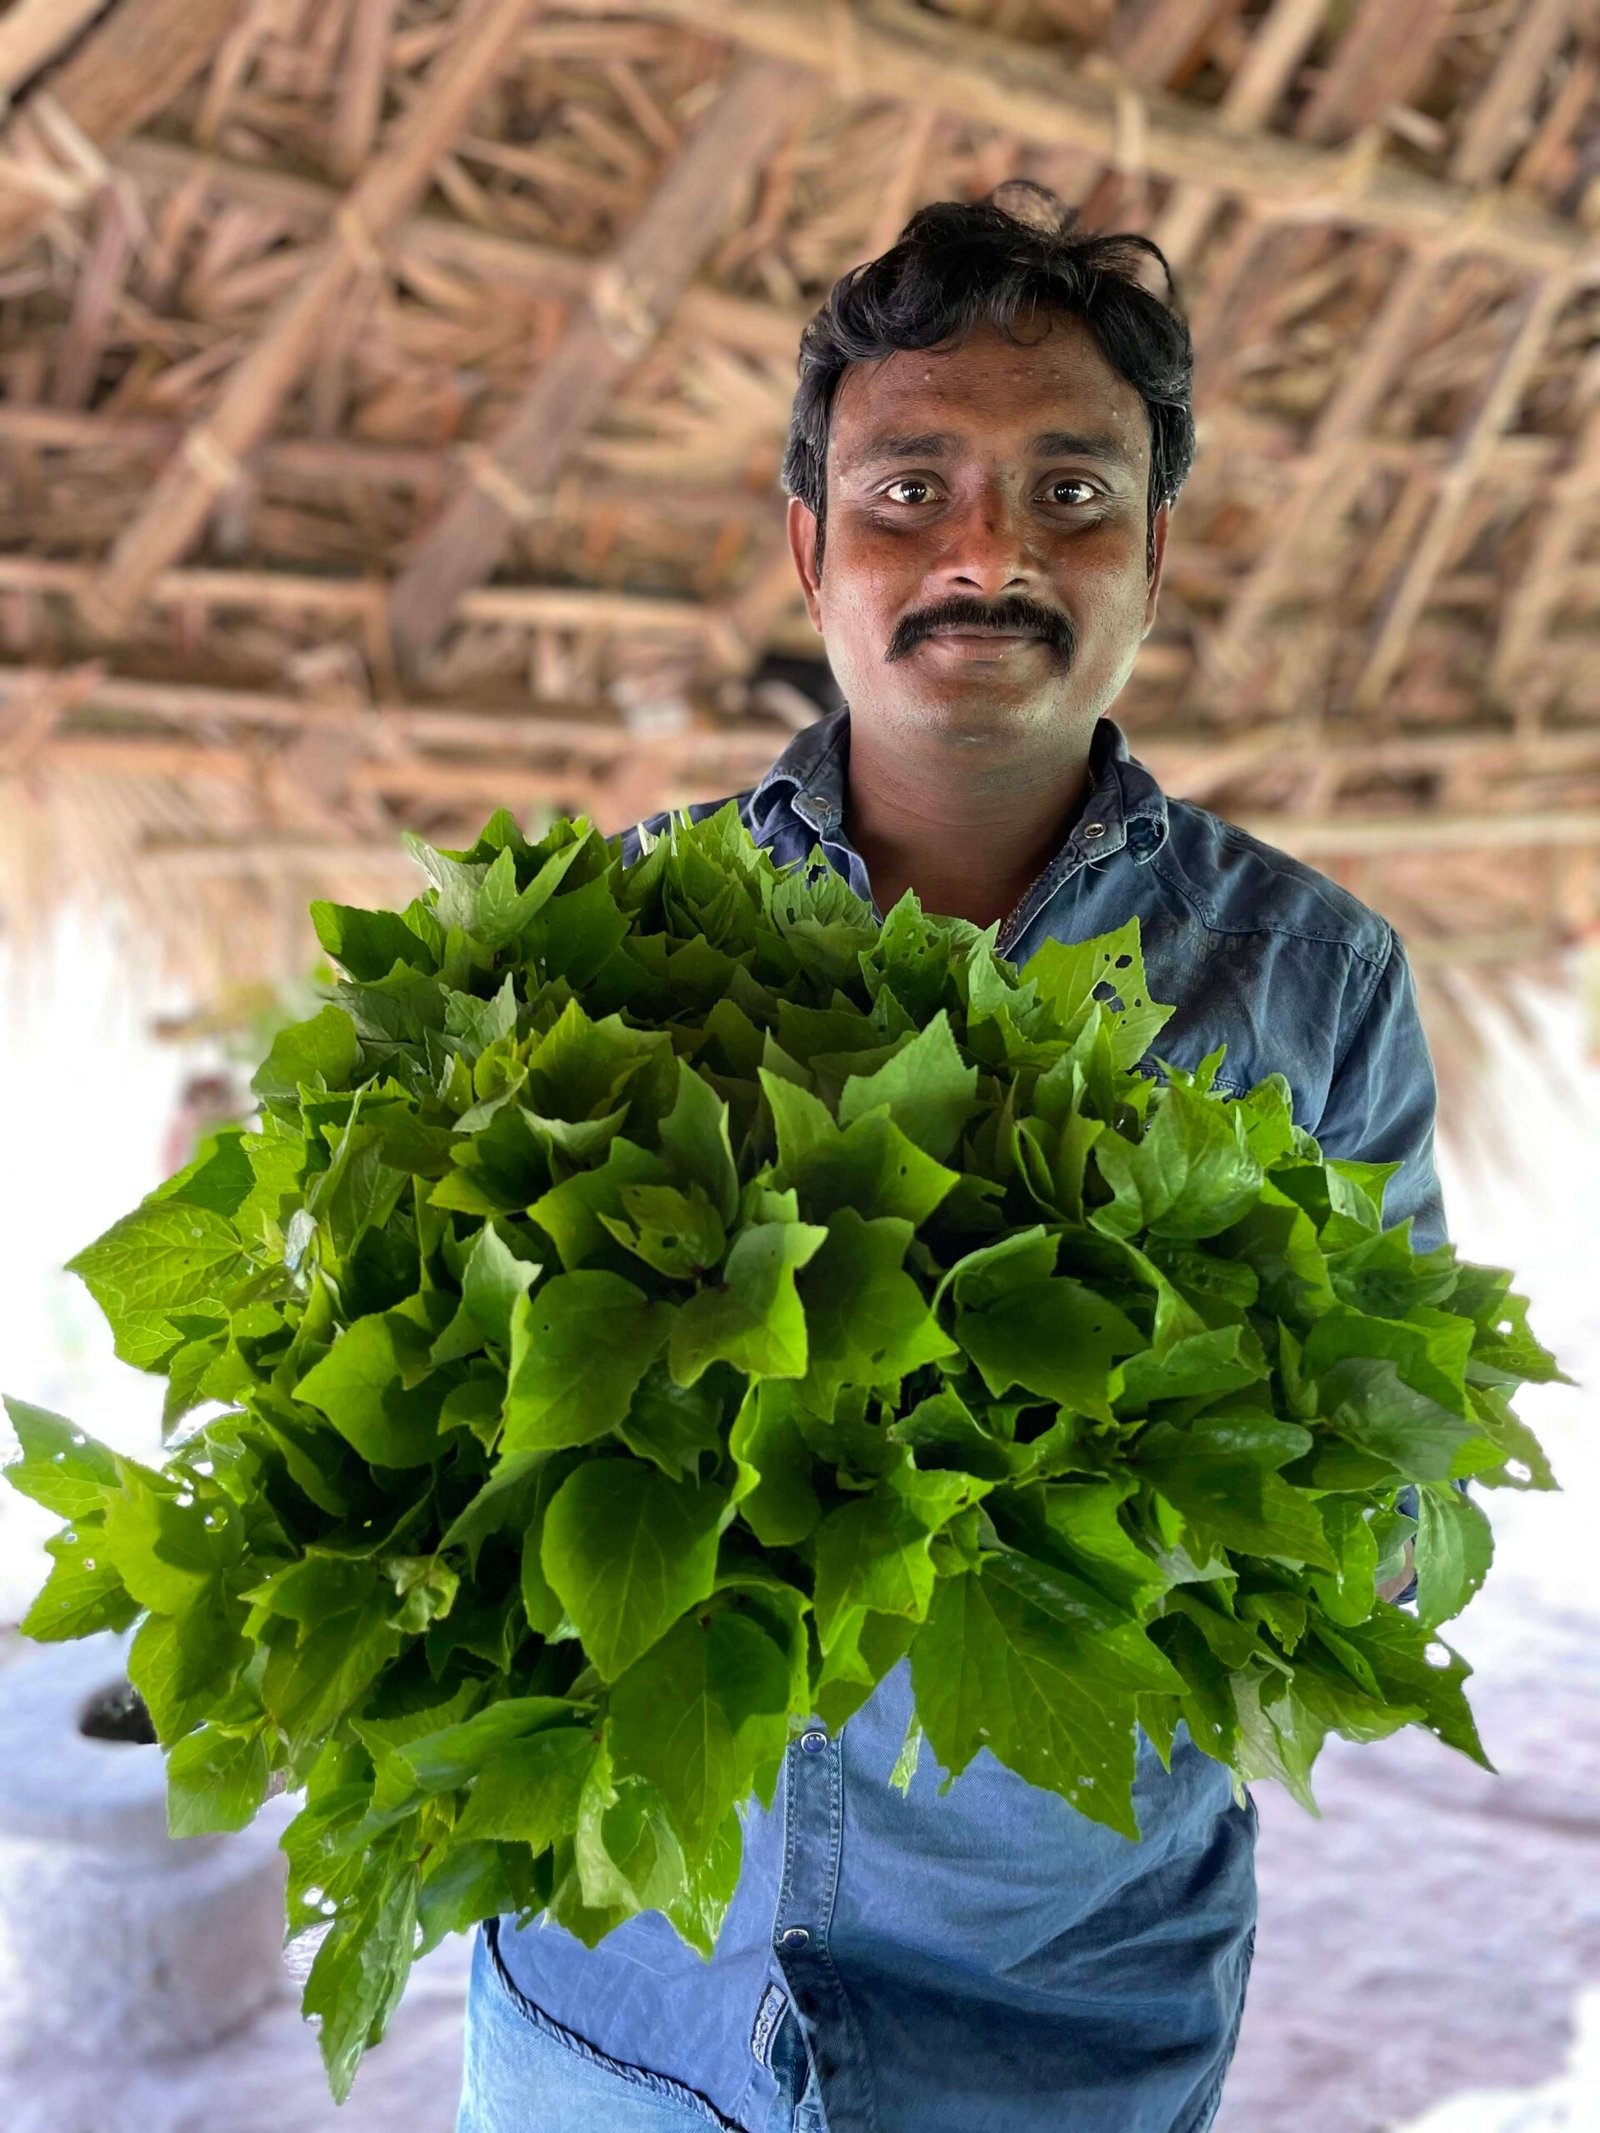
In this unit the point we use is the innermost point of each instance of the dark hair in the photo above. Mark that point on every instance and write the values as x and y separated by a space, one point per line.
958 263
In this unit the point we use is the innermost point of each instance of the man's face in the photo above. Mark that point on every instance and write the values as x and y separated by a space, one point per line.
989 488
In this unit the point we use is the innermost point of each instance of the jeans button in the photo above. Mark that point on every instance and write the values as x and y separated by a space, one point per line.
814 1742
794 1937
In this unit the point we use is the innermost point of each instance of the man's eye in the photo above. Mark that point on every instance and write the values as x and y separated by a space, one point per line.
1065 481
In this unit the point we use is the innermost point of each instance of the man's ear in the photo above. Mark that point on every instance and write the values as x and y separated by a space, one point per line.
1158 530
803 547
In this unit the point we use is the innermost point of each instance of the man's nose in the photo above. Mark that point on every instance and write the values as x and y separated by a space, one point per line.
989 545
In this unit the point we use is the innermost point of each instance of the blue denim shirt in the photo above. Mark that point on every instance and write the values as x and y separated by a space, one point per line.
991 1959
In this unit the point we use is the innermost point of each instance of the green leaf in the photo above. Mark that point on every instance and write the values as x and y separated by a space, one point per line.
1191 1175
698 1716
215 1781
166 1256
875 1553
165 1551
504 910
60 1467
493 1280
1220 1472
1412 1665
627 1551
359 1386
579 1346
1057 1338
753 1317
928 1088
774 1463
529 1792
1454 1549
83 1592
360 1970
368 944
1069 974
323 1053
867 1322
995 1666
673 1424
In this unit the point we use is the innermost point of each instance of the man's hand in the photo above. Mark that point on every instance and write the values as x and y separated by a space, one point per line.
1398 1585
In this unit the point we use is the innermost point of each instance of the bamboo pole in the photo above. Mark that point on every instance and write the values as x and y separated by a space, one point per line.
1189 759
1536 315
622 315
895 49
210 458
361 85
745 323
1331 457
1534 598
1375 836
521 606
34 32
320 461
129 67
1277 47
1420 833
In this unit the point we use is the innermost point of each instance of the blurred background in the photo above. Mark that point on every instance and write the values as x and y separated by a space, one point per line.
392 394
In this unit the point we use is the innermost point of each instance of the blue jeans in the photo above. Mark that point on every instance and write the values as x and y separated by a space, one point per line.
524 2073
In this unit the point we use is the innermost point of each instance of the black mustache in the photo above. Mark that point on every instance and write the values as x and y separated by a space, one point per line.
1018 617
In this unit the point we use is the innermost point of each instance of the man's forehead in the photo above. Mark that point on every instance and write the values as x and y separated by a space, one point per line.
1062 383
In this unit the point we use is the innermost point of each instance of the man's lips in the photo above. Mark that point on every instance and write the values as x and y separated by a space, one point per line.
982 640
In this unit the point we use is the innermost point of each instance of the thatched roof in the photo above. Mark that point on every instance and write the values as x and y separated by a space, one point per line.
392 394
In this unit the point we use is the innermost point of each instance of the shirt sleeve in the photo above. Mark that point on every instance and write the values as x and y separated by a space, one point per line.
1380 1109
1383 1096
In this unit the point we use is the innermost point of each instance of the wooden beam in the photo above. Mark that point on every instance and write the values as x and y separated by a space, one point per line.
1516 944
622 314
518 606
593 733
1394 835
1533 318
33 32
1278 44
209 461
316 461
130 66
1529 604
1332 462
1373 838
903 52
755 328
361 84
1182 755
472 751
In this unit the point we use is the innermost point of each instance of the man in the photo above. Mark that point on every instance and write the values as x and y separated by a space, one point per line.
992 425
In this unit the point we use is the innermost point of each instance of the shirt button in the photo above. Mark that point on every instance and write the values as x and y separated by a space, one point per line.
1094 829
814 1742
794 1937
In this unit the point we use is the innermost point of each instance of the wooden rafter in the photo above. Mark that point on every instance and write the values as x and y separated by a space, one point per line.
129 67
895 49
213 450
624 309
1331 467
757 328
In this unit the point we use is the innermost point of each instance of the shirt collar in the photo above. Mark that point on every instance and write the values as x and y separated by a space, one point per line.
1125 807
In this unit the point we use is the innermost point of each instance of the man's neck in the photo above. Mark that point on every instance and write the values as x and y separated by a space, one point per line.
969 840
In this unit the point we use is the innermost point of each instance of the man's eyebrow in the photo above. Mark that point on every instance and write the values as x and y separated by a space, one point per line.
1049 444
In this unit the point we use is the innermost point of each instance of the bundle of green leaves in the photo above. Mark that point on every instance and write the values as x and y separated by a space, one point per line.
653 1302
